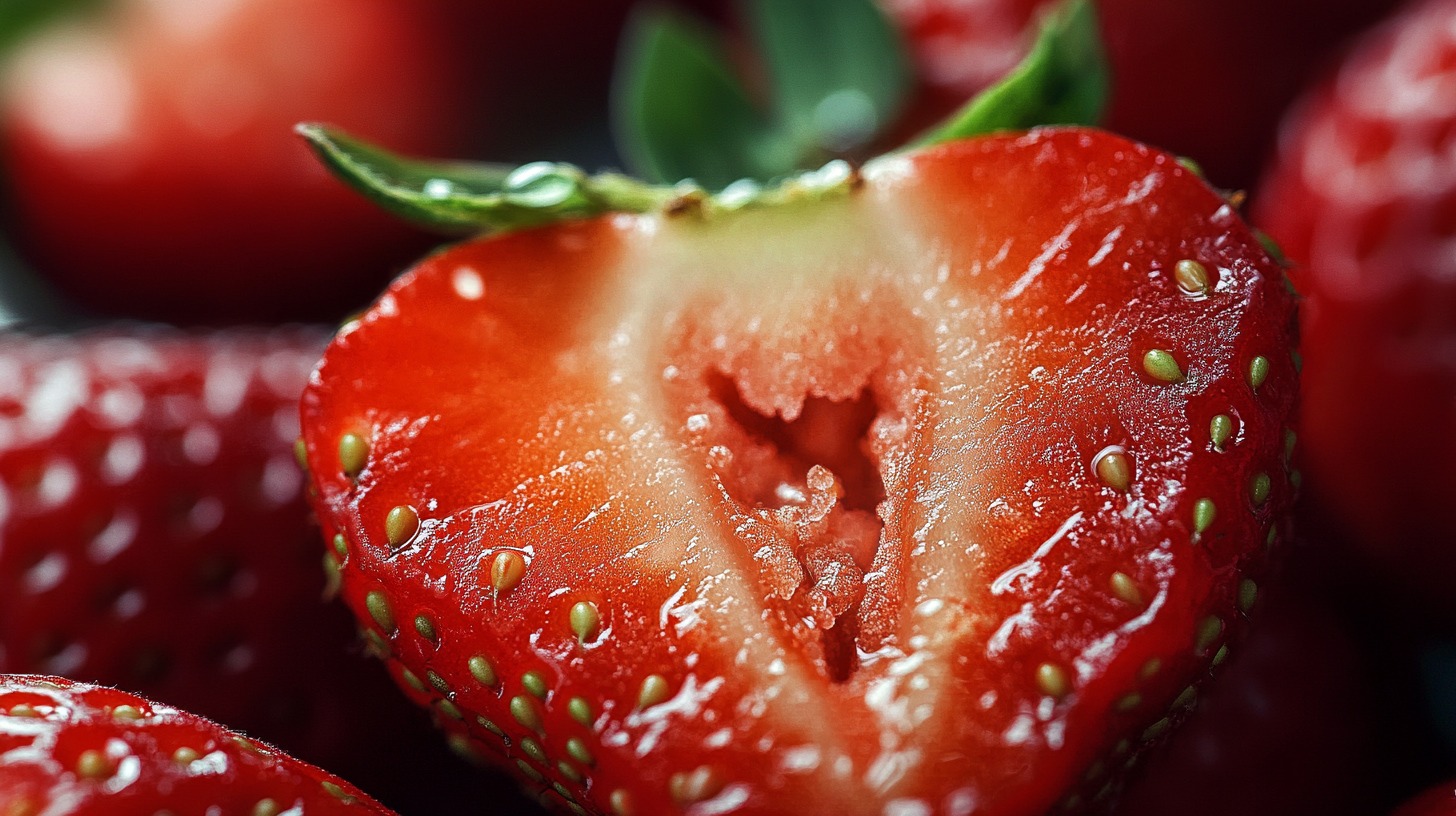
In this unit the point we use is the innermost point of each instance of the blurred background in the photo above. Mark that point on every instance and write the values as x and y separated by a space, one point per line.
149 172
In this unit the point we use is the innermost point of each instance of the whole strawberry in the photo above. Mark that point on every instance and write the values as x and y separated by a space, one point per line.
164 128
155 537
72 749
1362 197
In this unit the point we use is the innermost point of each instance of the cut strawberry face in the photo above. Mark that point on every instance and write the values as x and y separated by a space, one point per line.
927 489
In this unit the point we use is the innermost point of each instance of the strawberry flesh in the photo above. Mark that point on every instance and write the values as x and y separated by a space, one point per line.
802 504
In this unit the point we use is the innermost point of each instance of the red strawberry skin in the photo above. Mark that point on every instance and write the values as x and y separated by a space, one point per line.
1438 801
1362 196
1287 727
583 530
155 536
77 749
1208 79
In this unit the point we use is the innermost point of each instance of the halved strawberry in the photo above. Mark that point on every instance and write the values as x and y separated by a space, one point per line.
76 749
927 489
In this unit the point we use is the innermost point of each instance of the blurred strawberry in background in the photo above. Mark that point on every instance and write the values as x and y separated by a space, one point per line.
152 168
150 161
1363 198
1207 79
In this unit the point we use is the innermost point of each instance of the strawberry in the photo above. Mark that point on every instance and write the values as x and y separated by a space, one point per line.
155 537
1362 196
1289 727
1438 801
76 749
923 489
1206 79
164 127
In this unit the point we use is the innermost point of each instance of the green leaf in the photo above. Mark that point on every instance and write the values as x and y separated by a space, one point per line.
460 197
20 17
839 71
682 113
1063 81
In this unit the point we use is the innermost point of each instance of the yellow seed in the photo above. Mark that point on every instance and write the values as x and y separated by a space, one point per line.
185 756
1126 589
1114 468
621 802
449 709
535 683
1150 668
126 712
1204 512
491 727
426 628
337 792
378 605
462 747
1192 276
1128 702
353 454
531 773
654 691
401 525
580 710
341 546
506 571
1259 488
585 620
524 712
1209 631
266 807
1185 700
1290 439
374 644
1248 594
1162 366
1156 730
1258 372
1220 656
93 764
413 681
569 771
696 785
533 749
579 752
1053 681
438 682
482 671
1219 430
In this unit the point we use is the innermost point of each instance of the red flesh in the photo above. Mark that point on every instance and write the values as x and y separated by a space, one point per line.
1438 801
967 329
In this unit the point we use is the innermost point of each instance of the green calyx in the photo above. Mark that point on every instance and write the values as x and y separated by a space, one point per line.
19 18
688 125
463 198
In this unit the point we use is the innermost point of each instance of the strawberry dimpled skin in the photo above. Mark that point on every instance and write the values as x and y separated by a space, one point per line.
73 749
934 495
